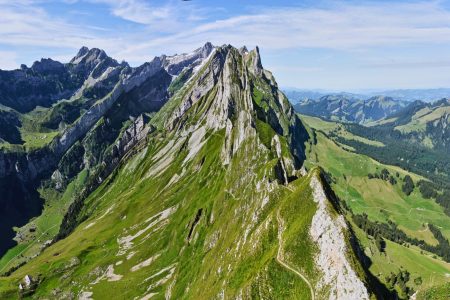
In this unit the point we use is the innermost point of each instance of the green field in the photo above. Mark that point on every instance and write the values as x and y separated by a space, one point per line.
397 257
337 128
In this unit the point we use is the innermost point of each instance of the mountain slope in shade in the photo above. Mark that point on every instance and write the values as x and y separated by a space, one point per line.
350 109
213 203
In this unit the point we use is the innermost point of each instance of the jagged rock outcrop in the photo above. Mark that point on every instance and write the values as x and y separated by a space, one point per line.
225 91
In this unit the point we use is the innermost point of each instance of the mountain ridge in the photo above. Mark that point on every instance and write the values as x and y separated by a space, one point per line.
219 165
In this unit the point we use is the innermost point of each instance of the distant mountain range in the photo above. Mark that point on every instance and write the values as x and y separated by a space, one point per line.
426 95
348 108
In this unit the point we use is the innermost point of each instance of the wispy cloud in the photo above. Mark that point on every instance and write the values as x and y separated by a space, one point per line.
175 27
151 28
348 27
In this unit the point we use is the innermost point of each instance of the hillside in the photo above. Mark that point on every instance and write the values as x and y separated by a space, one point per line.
422 123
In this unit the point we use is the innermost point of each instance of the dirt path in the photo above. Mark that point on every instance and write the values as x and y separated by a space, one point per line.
280 257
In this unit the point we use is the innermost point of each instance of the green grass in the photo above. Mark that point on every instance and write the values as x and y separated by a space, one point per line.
397 257
298 245
336 128
265 133
441 292
282 284
36 140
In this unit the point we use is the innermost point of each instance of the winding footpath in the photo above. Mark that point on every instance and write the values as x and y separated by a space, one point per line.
280 258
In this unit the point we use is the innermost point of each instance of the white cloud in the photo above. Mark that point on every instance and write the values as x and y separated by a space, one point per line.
348 27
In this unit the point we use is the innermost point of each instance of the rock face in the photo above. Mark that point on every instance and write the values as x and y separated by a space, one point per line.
225 89
327 231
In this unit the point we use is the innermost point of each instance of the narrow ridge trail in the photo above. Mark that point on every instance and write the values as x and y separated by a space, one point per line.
280 257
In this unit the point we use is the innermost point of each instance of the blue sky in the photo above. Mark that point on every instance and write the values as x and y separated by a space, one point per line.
333 45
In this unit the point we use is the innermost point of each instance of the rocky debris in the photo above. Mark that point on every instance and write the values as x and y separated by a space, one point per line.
85 296
28 286
327 231
58 179
74 261
144 263
126 242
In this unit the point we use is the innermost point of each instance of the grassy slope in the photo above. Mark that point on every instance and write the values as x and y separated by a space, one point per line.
256 272
220 239
420 264
382 201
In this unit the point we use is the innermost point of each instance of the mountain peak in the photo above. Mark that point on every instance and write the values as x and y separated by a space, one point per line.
47 65
85 55
232 93
207 48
